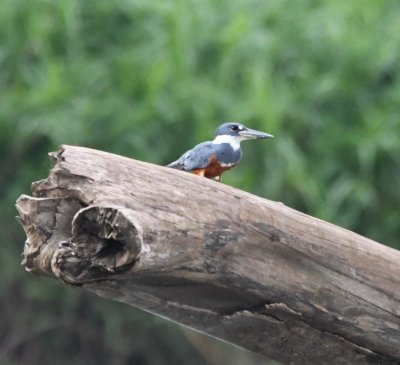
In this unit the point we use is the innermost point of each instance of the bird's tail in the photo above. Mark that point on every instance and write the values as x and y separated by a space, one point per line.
176 165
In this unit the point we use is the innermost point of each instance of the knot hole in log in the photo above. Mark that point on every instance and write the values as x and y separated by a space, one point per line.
104 242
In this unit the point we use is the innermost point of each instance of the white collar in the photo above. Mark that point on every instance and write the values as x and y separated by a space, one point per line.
234 141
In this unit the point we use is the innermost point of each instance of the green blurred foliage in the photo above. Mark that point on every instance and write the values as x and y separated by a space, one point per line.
149 79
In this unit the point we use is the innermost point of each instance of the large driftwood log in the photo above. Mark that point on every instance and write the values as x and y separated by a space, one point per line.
244 269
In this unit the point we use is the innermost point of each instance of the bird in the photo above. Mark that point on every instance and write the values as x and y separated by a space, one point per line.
211 159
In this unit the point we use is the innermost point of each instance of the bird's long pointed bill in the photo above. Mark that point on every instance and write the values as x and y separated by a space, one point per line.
253 134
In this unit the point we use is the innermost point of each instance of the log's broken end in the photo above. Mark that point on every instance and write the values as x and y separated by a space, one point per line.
45 222
75 243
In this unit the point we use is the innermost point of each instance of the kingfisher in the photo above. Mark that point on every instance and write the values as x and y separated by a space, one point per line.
212 158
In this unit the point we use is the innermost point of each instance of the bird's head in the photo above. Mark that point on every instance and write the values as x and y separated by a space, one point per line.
239 132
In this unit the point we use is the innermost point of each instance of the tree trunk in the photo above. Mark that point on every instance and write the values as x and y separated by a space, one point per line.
235 266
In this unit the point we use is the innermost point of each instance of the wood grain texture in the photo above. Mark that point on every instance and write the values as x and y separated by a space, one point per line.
238 267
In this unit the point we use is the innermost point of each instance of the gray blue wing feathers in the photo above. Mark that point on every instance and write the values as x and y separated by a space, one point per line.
196 158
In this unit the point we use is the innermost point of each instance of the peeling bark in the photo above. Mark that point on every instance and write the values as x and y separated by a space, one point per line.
244 269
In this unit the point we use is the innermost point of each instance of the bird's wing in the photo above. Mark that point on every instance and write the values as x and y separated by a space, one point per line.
196 158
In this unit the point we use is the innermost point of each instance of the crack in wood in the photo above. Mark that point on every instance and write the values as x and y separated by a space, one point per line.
282 313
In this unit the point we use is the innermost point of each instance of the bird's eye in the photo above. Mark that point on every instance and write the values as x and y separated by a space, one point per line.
234 127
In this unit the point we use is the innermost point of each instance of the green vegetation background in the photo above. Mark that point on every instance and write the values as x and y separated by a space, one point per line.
149 79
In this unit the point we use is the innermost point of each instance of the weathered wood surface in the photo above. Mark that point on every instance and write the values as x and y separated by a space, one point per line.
244 269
